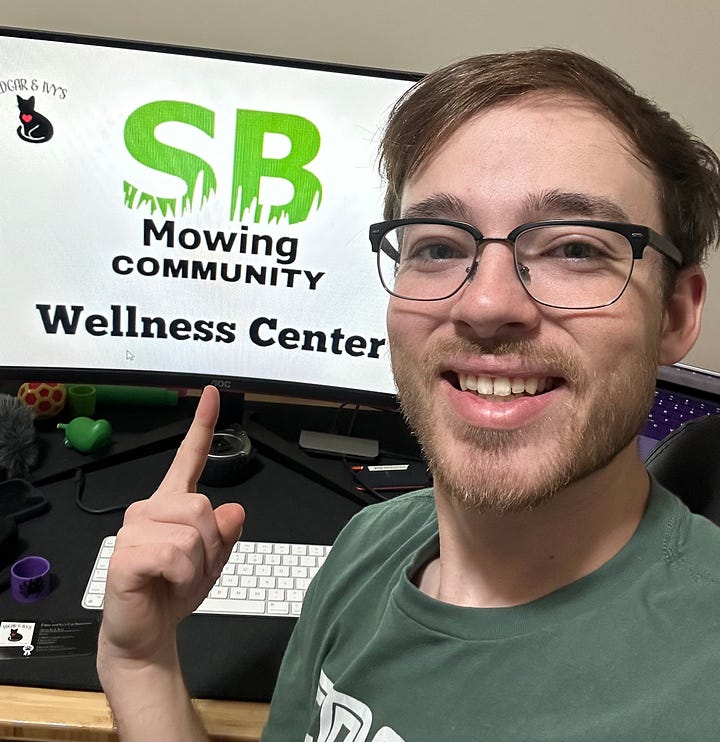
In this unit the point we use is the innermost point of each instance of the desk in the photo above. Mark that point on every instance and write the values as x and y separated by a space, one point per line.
43 715
230 663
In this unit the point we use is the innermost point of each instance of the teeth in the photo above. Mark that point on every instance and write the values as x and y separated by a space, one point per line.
503 386
532 386
484 385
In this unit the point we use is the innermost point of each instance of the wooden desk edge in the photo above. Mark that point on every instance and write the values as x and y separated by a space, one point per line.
45 715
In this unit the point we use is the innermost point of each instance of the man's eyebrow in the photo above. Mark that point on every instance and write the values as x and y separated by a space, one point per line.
438 206
553 204
565 204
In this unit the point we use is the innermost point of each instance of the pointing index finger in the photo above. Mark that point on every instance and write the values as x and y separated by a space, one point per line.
191 456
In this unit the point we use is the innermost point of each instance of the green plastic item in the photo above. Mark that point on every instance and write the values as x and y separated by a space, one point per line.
86 435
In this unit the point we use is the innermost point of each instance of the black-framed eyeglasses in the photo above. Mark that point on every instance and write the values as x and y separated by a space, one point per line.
567 264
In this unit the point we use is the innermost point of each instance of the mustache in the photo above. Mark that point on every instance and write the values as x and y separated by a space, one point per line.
527 350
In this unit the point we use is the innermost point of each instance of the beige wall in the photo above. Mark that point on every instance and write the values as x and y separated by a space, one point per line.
667 48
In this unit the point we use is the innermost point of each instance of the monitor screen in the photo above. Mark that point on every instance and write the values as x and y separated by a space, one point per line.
180 217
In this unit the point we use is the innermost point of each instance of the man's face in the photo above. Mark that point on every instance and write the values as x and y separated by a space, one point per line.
582 381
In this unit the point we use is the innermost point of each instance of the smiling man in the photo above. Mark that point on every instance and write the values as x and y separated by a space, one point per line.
545 229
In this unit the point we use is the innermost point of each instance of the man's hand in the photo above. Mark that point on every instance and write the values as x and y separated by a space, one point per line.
168 554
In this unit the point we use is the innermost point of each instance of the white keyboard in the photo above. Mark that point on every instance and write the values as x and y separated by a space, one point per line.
259 579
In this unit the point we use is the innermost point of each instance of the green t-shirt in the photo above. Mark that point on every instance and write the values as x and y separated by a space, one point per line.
629 652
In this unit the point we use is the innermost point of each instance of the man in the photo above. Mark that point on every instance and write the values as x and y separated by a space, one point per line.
547 226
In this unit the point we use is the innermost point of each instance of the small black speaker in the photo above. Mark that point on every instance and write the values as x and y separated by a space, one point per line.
228 459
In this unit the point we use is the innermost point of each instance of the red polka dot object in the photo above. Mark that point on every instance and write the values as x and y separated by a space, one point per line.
45 398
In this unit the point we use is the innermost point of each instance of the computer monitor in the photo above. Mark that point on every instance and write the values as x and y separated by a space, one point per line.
177 216
181 216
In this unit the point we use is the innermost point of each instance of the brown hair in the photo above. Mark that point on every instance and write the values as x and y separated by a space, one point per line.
435 107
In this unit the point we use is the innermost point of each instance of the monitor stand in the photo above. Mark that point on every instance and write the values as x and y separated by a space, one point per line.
170 435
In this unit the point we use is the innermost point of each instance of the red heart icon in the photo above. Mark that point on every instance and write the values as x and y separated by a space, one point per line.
26 117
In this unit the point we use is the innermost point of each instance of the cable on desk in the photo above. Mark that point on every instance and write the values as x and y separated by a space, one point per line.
80 491
365 488
383 451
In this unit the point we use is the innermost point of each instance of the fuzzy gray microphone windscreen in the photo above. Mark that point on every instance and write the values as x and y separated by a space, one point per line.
18 449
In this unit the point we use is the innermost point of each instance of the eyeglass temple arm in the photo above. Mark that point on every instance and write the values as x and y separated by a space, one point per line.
664 246
388 249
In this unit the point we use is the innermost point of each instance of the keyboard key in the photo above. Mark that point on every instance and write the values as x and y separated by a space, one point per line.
209 605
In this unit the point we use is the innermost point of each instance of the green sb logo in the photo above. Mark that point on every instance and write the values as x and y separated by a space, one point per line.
249 165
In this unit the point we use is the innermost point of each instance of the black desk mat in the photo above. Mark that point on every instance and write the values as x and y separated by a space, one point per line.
226 657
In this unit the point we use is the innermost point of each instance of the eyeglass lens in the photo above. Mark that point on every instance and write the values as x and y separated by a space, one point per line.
564 266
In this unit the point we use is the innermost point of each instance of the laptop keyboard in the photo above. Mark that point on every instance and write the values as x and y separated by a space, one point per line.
671 409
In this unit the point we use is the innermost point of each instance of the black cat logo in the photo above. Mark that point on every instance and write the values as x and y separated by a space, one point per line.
34 127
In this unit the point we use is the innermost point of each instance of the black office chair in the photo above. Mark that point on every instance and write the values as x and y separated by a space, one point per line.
687 462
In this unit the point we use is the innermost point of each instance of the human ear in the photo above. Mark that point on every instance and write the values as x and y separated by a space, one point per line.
682 315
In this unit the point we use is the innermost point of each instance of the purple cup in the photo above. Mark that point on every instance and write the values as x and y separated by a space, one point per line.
30 579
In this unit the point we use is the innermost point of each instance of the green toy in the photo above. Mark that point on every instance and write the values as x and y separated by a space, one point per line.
86 435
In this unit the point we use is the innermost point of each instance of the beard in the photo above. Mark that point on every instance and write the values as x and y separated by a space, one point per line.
482 469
